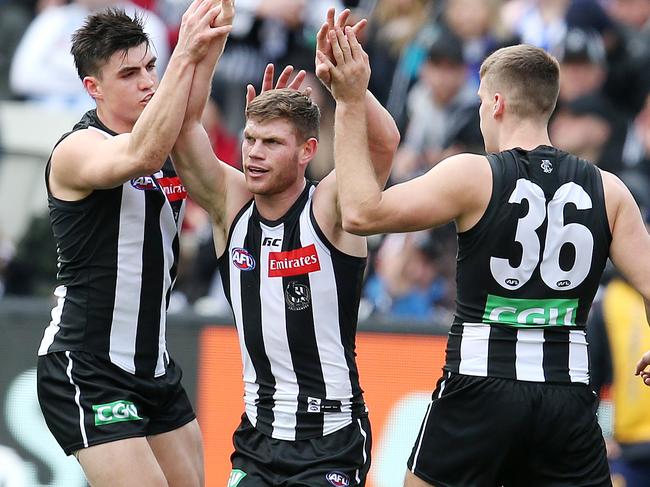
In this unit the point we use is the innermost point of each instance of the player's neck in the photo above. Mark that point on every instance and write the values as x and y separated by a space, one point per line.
523 134
116 124
275 206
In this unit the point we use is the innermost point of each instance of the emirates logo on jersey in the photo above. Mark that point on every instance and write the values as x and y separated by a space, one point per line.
294 262
173 188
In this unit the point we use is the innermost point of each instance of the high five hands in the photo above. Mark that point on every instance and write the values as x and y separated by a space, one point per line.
641 368
350 72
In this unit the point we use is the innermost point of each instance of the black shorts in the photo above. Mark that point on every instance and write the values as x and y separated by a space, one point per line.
488 432
87 400
339 459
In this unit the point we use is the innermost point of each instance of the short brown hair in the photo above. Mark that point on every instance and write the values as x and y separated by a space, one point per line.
528 74
102 35
291 105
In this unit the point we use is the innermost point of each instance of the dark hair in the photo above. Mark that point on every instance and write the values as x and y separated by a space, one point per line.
290 105
102 35
529 75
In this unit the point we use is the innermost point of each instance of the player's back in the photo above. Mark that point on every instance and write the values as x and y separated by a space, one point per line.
528 271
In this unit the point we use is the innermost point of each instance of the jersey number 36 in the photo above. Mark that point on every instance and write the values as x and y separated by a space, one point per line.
557 235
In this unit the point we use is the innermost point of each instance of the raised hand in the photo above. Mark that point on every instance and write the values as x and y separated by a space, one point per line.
351 73
283 81
197 30
324 46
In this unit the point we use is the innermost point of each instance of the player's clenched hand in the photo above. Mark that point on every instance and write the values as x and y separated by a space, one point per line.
197 31
324 46
351 73
641 368
283 81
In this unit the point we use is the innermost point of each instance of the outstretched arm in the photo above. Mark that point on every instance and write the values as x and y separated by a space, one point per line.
456 189
85 160
383 135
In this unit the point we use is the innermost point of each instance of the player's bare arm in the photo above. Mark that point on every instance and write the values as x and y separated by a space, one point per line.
630 239
461 184
382 132
86 160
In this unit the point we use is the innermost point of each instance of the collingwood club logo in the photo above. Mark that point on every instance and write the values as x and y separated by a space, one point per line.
546 166
297 296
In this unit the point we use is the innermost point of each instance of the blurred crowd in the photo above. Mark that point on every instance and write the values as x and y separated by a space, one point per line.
425 56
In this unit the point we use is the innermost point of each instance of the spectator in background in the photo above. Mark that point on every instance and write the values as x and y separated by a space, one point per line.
436 102
624 27
618 333
410 278
589 127
43 69
15 16
538 22
478 24
394 26
636 152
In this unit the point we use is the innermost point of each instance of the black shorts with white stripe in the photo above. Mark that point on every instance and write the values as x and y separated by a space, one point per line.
486 432
87 400
341 458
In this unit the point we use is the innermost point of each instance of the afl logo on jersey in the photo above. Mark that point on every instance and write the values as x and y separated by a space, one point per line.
338 479
144 183
242 259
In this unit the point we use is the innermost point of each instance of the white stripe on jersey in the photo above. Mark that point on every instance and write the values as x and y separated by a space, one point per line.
169 230
530 355
327 329
128 284
250 386
276 341
578 357
77 395
53 328
474 349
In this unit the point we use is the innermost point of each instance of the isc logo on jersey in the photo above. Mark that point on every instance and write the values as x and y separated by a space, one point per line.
243 259
338 479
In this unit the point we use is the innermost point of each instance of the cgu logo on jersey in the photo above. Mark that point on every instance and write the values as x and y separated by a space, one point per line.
530 312
338 479
115 412
243 259
294 262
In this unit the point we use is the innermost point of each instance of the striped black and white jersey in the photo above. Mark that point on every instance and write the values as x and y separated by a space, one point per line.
528 272
295 299
117 252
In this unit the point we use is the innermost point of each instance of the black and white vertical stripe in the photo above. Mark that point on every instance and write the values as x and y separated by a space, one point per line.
118 252
292 356
549 354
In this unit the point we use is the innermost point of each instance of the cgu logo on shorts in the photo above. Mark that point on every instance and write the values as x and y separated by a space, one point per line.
338 479
243 259
115 412
236 476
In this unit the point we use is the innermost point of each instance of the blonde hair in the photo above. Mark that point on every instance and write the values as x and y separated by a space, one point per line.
528 75
290 105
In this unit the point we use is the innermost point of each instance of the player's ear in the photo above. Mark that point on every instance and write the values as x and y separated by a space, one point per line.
499 105
308 150
93 87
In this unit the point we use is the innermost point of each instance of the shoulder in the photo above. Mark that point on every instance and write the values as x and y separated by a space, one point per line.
77 144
